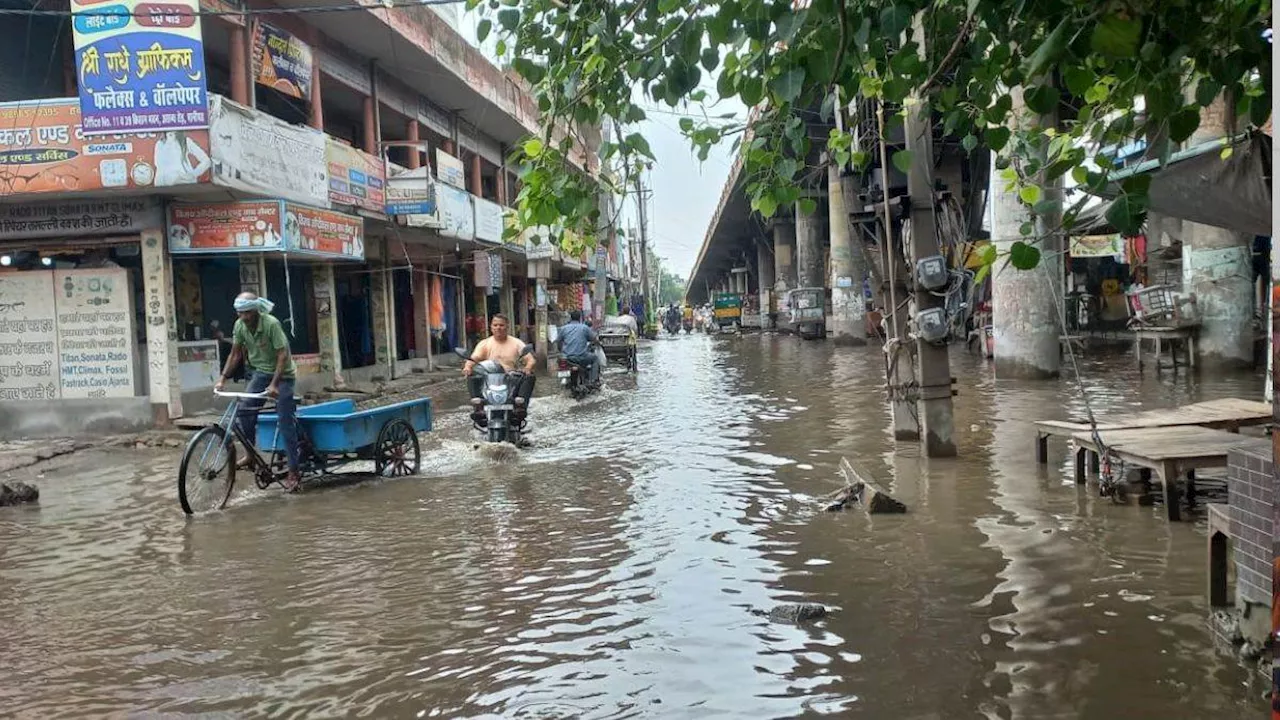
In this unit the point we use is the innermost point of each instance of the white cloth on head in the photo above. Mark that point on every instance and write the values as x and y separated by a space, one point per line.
260 304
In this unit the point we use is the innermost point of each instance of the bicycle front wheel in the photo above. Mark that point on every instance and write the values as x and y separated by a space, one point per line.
208 471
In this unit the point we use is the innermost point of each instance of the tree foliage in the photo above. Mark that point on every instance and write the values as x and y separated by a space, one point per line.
1086 61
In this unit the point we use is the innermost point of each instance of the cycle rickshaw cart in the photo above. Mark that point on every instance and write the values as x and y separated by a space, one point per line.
331 435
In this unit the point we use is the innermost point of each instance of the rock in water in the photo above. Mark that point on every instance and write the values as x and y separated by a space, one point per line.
798 613
17 494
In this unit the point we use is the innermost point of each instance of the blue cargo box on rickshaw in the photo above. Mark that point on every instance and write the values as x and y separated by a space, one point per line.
336 426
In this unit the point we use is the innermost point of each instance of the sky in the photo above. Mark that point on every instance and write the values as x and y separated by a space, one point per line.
685 190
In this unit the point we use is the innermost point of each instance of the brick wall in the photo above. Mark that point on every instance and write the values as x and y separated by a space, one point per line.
1251 498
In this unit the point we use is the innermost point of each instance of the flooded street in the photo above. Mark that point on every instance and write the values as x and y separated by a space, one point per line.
615 570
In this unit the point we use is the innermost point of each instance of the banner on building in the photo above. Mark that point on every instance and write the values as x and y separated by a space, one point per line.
488 221
255 152
79 218
457 218
248 226
413 193
67 334
449 170
1096 246
355 178
140 66
323 232
282 61
43 149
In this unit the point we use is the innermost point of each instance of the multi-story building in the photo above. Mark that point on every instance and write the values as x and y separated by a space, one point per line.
350 165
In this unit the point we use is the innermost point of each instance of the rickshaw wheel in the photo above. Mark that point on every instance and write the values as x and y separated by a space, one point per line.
397 453
207 483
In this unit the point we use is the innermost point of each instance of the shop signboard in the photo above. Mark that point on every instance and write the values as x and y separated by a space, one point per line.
257 153
355 178
44 149
28 337
247 226
123 216
282 60
326 233
449 170
488 221
139 65
457 218
1096 246
95 332
413 193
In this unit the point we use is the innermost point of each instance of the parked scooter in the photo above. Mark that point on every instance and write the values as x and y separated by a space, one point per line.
498 392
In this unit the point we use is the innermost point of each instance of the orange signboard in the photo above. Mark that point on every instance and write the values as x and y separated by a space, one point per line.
252 225
323 232
43 150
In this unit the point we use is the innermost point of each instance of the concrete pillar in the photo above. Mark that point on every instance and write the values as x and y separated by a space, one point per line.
765 265
1025 314
474 181
316 118
542 344
162 328
370 128
239 66
848 268
447 146
421 312
810 263
412 134
327 324
1217 267
784 264
381 301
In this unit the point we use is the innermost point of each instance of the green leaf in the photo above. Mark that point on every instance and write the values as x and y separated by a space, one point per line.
788 85
1226 153
997 138
482 30
1127 213
807 206
902 160
1049 51
1041 99
894 19
1116 36
1030 194
788 24
1078 80
529 70
1080 174
1183 123
533 147
987 254
638 143
766 205
710 58
752 91
509 19
686 124
969 142
1024 256
1026 228
1207 91
724 85
981 275
860 159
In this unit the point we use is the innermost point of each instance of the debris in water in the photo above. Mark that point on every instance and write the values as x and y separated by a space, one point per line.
861 491
795 613
17 494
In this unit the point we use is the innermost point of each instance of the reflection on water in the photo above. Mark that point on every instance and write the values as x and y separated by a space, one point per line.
612 570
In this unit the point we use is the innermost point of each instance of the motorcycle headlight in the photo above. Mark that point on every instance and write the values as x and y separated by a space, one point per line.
496 395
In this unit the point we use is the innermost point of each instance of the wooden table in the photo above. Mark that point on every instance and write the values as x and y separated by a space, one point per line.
1170 452
1229 414
1186 336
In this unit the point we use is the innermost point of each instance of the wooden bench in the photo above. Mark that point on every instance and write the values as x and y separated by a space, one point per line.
1169 452
1186 336
1228 414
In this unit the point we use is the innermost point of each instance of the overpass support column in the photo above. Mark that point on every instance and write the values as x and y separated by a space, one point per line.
784 265
809 260
848 267
764 265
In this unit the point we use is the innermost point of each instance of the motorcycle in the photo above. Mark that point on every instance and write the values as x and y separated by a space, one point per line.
498 400
576 378
688 326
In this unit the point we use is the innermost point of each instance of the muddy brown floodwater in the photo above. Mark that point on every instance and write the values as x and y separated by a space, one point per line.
612 571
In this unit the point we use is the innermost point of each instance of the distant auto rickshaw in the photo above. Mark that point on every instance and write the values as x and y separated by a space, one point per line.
808 312
728 311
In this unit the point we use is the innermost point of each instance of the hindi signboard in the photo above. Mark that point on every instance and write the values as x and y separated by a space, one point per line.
139 65
488 221
323 232
283 61
257 153
449 170
96 344
1096 246
248 226
43 149
413 193
28 337
355 178
79 218
457 218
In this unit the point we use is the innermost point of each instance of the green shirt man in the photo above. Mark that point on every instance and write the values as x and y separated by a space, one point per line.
263 344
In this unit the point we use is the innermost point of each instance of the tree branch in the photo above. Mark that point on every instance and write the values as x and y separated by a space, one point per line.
950 57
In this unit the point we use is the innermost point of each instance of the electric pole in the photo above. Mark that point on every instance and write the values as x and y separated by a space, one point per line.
644 249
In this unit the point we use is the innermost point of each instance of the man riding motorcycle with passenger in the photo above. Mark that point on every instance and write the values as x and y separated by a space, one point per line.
575 340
